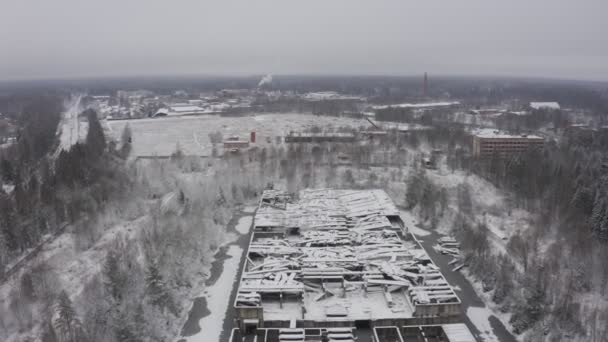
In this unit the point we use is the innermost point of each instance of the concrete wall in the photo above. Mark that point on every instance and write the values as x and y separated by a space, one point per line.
248 312
442 310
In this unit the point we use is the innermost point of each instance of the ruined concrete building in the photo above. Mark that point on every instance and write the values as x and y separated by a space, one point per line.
330 263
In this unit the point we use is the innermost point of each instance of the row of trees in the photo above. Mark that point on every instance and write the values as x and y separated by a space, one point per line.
432 201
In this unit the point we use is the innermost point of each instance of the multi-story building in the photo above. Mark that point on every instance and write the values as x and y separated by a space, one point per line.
490 142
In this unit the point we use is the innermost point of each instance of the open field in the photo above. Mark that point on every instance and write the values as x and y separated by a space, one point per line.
160 136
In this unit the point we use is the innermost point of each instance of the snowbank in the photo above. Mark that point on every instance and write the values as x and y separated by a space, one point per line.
480 318
410 223
244 224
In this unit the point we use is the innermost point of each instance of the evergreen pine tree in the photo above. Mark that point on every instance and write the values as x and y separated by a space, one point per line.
599 217
67 323
126 140
6 170
96 141
156 287
221 198
3 253
124 330
114 279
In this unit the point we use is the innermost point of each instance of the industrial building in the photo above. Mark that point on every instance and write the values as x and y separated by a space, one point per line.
490 142
333 264
545 105
235 142
453 332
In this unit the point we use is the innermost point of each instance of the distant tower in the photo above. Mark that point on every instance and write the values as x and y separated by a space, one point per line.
426 85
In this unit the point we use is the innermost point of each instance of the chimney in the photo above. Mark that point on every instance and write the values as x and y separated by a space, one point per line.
426 85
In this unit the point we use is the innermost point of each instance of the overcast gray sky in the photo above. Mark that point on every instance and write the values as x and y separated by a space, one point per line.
80 38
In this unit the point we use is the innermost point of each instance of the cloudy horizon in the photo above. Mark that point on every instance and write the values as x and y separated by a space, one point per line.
74 39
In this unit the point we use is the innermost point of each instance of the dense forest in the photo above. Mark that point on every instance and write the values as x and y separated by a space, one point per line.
552 267
49 193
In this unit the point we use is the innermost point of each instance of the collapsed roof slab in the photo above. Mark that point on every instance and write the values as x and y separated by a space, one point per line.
335 257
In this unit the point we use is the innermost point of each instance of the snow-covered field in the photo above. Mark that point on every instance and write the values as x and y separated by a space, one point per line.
161 136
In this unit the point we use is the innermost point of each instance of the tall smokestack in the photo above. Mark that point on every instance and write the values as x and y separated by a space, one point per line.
426 85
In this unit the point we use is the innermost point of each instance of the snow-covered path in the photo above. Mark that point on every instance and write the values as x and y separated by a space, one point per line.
480 317
207 320
218 299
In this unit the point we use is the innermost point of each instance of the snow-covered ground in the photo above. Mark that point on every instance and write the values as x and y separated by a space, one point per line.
71 128
490 206
244 224
480 318
419 105
218 299
250 209
74 268
410 222
161 136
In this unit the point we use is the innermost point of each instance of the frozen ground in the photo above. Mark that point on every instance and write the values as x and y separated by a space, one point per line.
161 136
480 318
250 209
410 222
490 206
218 299
244 224
74 269
418 105
481 315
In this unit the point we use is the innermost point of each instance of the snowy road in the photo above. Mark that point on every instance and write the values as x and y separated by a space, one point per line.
218 299
211 316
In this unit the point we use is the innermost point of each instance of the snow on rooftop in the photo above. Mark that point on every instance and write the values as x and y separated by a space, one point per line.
328 95
344 253
491 133
544 105
399 126
185 108
458 332
162 111
321 134
418 105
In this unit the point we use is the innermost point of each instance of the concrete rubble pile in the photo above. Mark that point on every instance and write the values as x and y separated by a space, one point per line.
449 246
336 235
